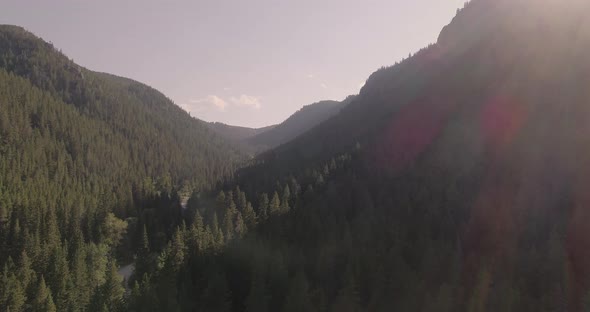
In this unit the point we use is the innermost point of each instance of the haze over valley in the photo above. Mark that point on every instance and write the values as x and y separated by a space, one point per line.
452 178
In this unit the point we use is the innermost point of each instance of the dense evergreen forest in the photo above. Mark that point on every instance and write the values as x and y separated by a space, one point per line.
455 181
87 160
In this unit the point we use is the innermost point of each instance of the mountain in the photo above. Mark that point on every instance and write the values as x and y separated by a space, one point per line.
237 133
158 136
254 141
301 121
477 54
455 181
87 160
239 136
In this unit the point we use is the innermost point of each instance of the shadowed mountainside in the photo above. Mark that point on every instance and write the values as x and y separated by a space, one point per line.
300 122
254 141
455 181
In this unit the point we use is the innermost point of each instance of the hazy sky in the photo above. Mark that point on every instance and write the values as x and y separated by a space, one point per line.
242 62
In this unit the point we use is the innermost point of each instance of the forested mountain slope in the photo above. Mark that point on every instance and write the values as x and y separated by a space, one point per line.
258 140
86 160
237 133
239 136
455 181
300 122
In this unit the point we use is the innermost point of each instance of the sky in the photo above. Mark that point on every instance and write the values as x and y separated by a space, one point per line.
241 62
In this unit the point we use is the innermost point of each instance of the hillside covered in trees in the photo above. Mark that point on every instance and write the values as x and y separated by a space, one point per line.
239 136
455 181
254 141
86 160
300 122
236 133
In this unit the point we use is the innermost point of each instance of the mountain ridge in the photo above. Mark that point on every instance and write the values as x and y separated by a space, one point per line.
460 135
455 181
137 114
262 139
303 120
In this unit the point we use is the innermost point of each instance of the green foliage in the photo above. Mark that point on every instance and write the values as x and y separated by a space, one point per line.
250 217
274 207
263 207
428 192
111 292
114 230
43 301
86 161
177 250
285 201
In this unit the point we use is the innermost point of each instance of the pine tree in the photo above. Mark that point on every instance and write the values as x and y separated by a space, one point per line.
40 300
15 239
25 272
197 233
12 294
135 298
80 277
228 223
295 188
285 201
142 263
263 203
52 235
145 243
250 217
112 291
149 299
16 294
230 207
59 278
34 251
217 233
4 279
241 200
3 214
240 229
177 252
275 205
49 304
220 201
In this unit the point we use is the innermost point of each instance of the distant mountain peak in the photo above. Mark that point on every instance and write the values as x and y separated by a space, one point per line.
305 119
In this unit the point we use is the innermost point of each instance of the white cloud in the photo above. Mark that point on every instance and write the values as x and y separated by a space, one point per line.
211 101
226 89
217 103
324 86
310 76
247 101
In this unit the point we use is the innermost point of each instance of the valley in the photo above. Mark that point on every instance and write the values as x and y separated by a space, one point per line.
454 181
